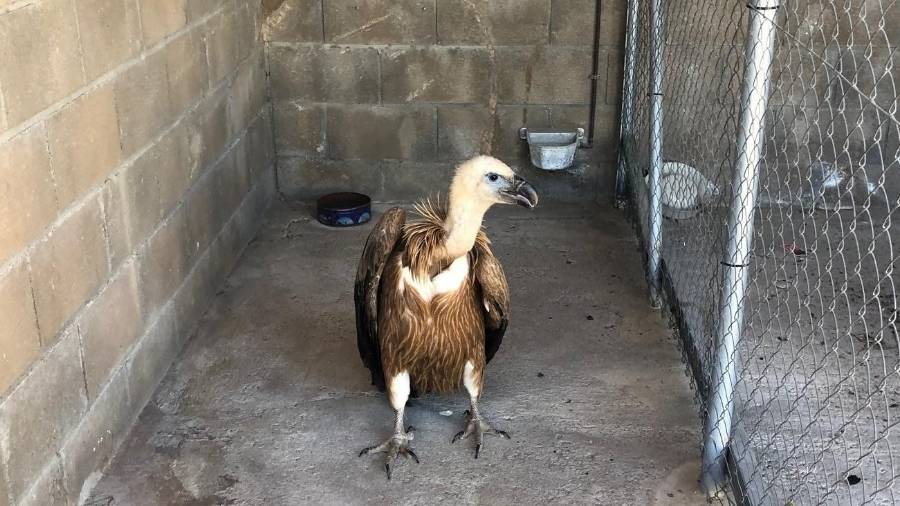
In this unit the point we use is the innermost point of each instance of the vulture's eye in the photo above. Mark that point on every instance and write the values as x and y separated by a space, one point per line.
493 177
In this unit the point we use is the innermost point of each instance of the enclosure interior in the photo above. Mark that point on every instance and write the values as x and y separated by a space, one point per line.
142 146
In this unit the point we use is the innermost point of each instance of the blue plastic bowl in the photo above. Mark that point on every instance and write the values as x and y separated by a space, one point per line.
344 209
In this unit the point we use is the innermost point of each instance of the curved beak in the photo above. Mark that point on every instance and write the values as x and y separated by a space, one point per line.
521 192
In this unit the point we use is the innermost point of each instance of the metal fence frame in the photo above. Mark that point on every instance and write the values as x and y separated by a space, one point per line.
717 391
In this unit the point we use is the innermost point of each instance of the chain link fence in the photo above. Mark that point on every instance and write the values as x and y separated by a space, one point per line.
761 157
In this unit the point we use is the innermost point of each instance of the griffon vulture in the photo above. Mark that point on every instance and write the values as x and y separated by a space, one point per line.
431 298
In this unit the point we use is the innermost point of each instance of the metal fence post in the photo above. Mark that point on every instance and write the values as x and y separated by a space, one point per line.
627 114
656 138
758 53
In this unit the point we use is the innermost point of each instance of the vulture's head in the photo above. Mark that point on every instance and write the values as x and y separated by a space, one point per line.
485 181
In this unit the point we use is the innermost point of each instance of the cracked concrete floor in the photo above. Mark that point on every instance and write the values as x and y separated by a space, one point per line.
270 404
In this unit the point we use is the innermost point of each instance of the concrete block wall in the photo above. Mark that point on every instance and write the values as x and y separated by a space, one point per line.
386 97
136 159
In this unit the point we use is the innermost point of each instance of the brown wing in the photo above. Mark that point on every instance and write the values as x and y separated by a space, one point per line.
381 242
494 291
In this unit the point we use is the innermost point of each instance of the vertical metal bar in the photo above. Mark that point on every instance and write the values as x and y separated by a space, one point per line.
758 53
656 138
627 115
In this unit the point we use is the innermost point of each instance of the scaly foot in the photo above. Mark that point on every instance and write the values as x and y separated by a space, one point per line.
479 428
397 445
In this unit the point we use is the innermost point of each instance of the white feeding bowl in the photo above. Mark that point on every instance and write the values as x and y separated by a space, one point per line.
683 190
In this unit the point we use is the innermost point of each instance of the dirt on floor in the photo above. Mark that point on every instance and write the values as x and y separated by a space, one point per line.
269 403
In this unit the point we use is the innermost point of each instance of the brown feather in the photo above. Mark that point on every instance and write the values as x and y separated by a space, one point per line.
432 340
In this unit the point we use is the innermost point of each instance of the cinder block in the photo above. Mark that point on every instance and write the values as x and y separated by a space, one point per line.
242 162
292 20
235 179
713 76
714 25
108 327
261 147
436 74
545 75
302 178
498 22
67 268
380 21
41 411
92 443
161 18
209 131
244 101
174 161
27 195
569 117
612 90
132 203
163 263
612 23
3 122
221 45
142 99
259 91
4 483
299 127
40 57
247 29
572 22
324 74
406 181
19 337
222 253
188 305
188 77
196 9
225 192
247 220
262 194
152 357
110 33
376 133
509 120
48 487
386 181
463 131
606 134
84 144
200 207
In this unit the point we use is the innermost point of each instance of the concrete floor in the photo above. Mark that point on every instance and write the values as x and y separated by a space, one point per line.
270 404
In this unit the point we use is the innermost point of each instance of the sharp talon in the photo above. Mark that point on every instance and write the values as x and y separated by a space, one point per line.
413 455
457 436
364 451
466 412
504 434
477 450
387 469
410 429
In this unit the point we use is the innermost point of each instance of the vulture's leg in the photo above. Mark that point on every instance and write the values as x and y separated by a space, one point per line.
398 444
476 426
